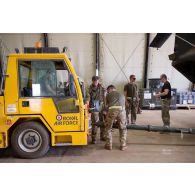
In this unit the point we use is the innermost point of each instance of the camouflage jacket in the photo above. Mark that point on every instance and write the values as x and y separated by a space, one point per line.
115 99
95 93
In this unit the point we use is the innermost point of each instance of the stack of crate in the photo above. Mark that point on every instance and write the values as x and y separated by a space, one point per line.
148 99
186 97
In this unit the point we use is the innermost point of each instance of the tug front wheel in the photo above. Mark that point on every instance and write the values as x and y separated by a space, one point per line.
30 140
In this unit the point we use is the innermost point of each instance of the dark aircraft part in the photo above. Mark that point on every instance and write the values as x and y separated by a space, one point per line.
159 39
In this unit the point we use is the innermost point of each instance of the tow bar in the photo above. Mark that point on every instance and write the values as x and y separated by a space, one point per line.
151 128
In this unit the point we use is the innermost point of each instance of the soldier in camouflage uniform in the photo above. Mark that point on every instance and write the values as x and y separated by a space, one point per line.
131 95
165 96
95 96
116 111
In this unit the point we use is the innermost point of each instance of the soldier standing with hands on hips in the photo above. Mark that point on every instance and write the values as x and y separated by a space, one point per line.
165 96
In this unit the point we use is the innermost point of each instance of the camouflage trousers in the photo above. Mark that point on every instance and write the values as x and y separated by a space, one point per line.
131 107
95 117
119 115
165 111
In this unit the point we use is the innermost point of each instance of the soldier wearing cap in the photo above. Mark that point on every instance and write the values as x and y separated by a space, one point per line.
131 95
116 111
95 97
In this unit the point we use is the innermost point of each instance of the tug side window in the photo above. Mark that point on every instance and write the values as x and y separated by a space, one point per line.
48 78
45 78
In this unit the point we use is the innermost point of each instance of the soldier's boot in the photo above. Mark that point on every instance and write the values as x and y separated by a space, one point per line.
133 122
93 141
165 126
94 136
103 139
108 147
123 148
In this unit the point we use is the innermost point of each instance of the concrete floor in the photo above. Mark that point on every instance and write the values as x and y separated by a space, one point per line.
142 146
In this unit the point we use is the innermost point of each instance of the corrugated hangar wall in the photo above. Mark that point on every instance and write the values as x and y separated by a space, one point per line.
120 55
81 50
117 51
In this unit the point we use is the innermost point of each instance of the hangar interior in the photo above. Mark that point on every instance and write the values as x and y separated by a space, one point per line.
114 57
119 55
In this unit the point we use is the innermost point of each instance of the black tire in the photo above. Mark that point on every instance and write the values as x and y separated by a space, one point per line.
30 140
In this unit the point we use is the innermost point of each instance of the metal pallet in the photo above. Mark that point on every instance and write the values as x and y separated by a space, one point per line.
187 106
